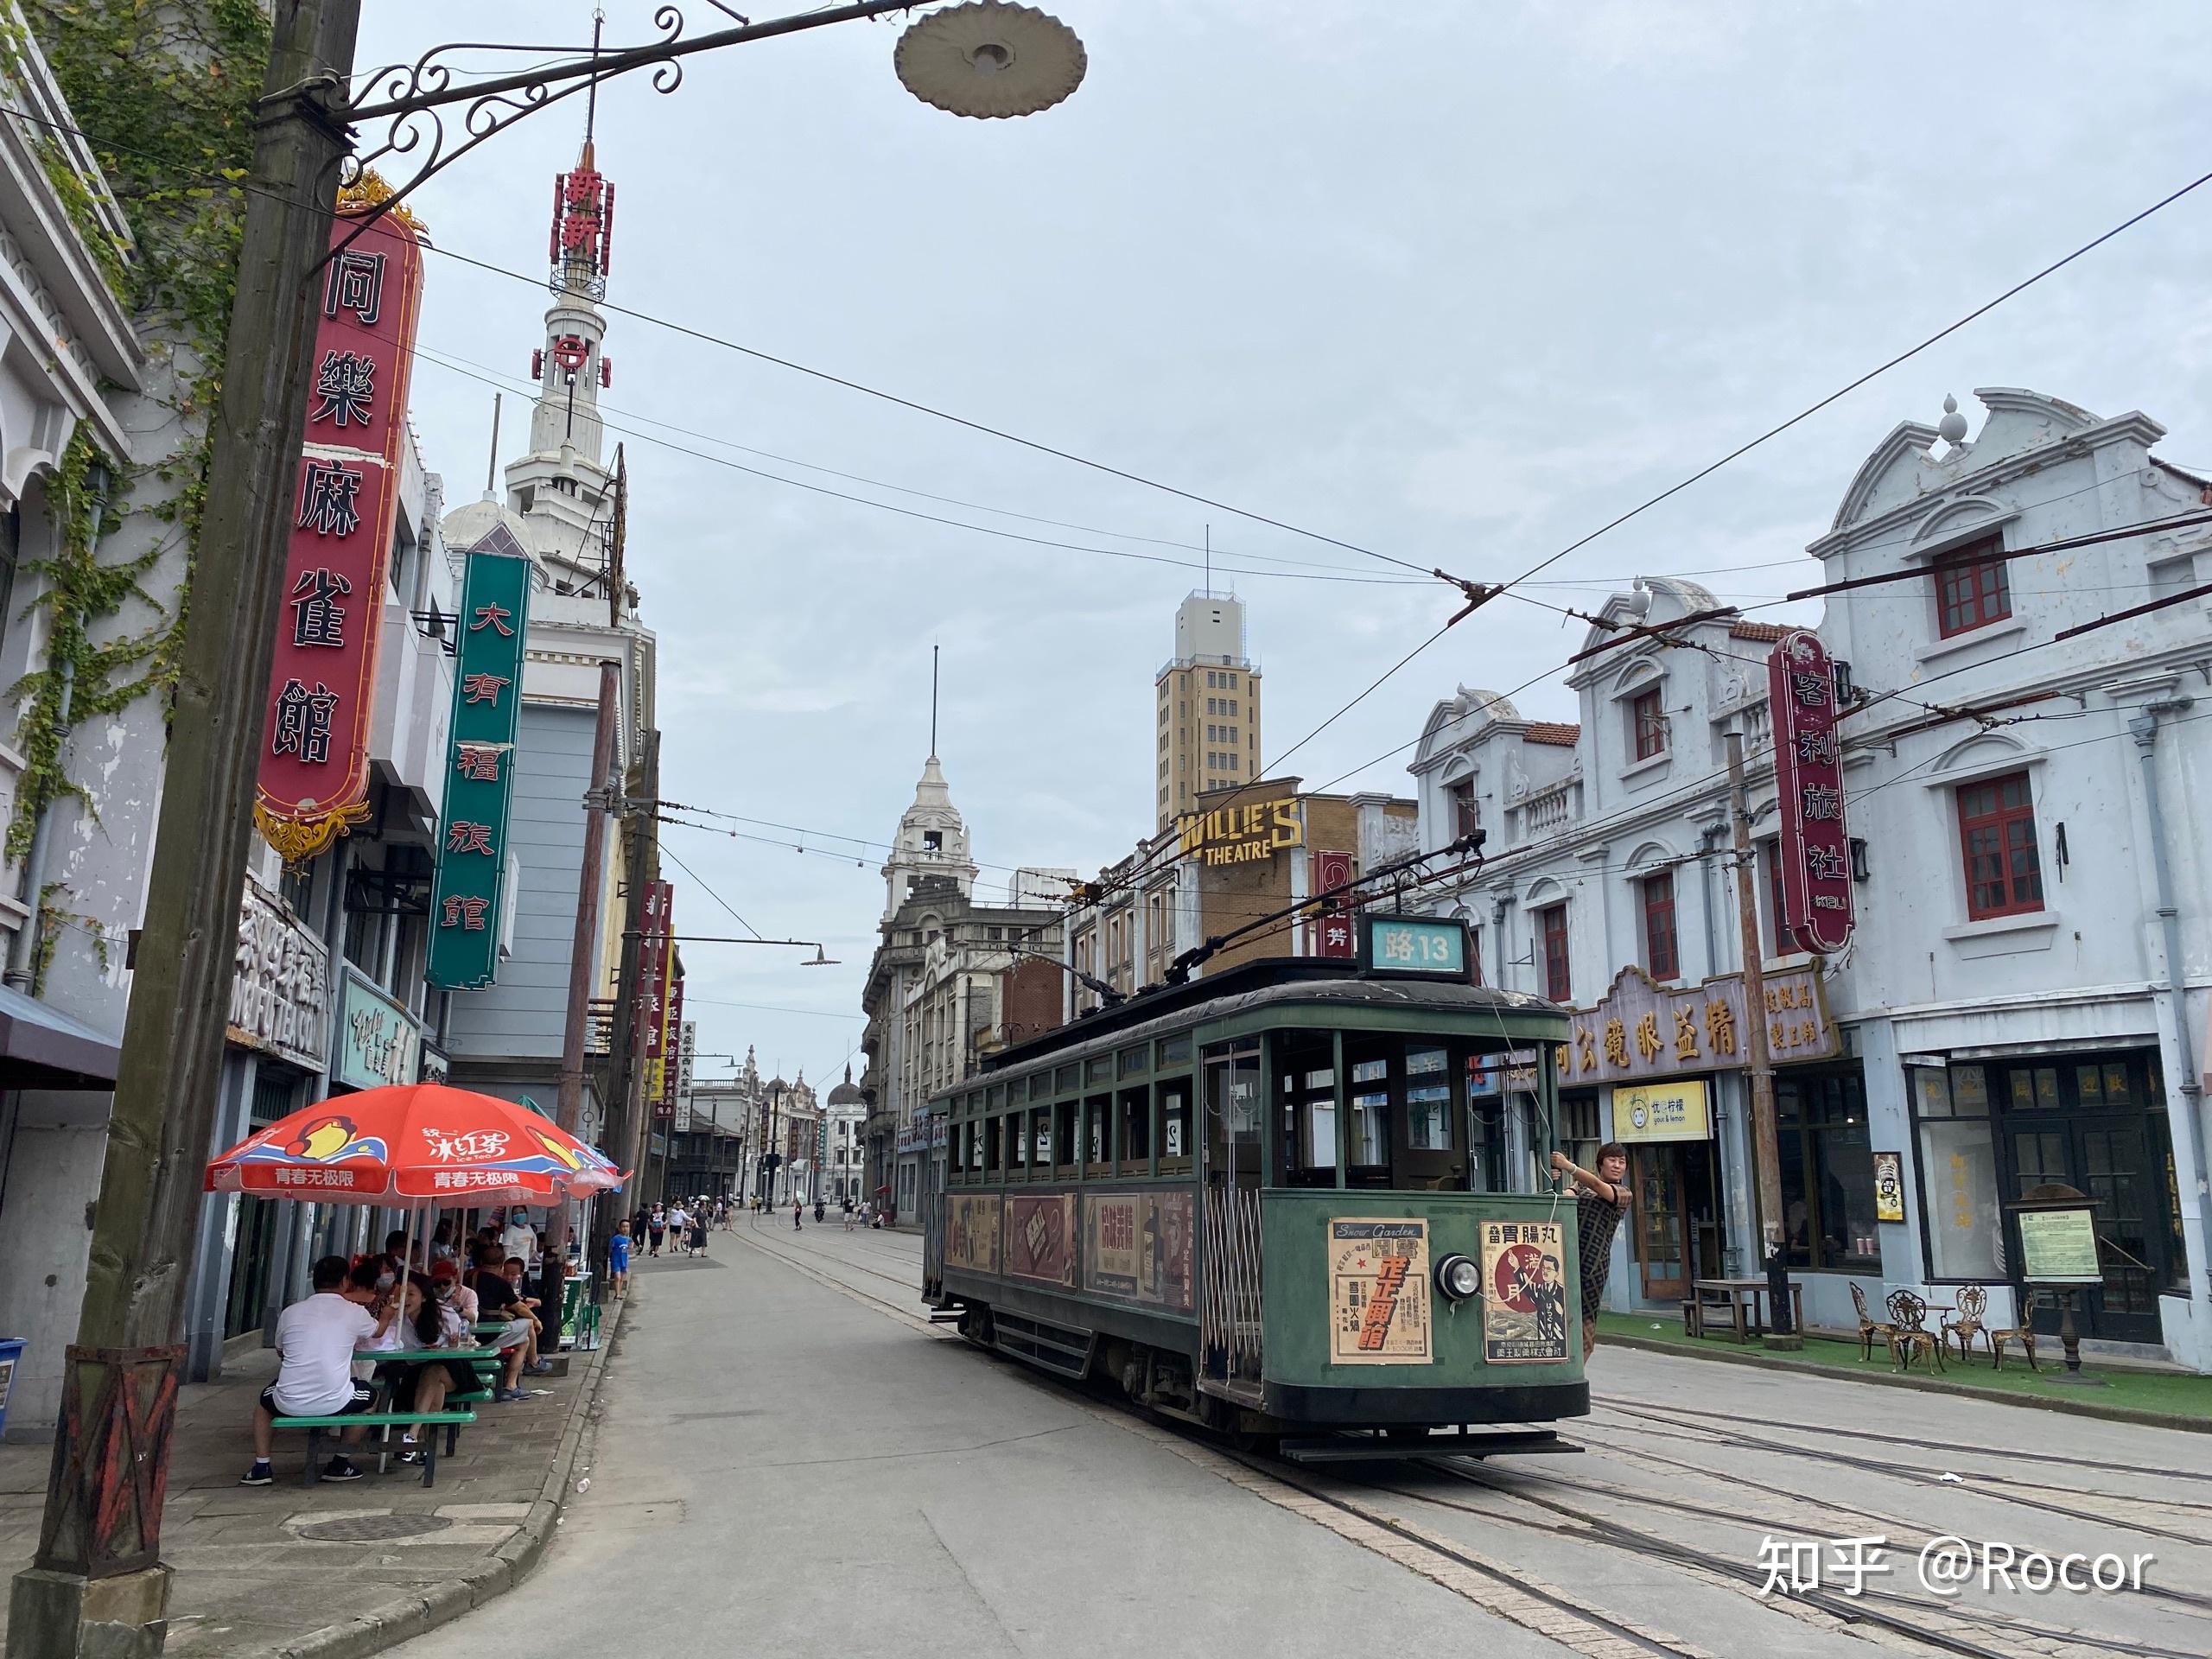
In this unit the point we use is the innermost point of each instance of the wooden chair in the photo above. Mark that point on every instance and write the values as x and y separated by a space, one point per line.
1869 1327
1964 1323
1908 1331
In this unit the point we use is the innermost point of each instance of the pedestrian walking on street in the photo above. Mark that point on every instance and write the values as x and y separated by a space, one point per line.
656 1230
679 1227
618 1261
797 1210
1598 1211
848 1214
699 1234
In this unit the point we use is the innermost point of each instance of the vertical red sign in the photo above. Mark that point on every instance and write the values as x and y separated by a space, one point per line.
672 1036
1333 927
314 775
652 1006
1815 848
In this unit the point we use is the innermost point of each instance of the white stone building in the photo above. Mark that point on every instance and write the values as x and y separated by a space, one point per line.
2025 1000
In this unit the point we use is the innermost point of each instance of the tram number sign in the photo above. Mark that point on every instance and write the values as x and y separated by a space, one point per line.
1413 944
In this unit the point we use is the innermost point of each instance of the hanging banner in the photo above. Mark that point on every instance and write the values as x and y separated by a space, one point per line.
1332 931
671 1042
654 962
467 902
313 783
1808 788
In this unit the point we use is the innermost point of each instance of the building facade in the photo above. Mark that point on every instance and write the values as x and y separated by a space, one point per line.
2009 1016
1206 701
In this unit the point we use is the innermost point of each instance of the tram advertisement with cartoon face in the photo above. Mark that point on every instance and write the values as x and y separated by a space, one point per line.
1524 1293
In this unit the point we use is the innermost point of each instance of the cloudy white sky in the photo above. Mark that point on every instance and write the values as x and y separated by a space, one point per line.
1455 282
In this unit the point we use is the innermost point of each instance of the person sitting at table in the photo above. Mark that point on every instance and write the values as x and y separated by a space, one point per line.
374 1274
496 1299
430 1321
462 1299
535 1308
442 1247
315 1340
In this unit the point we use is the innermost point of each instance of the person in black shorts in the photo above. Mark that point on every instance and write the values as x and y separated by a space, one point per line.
315 1340
1598 1211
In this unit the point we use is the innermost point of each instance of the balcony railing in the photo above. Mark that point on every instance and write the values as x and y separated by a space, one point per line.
1548 810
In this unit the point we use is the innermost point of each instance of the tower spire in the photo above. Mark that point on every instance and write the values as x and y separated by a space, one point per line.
932 702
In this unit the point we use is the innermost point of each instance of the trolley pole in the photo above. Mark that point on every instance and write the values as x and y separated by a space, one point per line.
1782 1330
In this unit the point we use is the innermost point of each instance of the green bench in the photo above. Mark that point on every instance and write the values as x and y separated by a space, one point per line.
317 1427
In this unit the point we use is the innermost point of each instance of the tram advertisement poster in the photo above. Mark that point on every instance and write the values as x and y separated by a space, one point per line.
1524 1293
1378 1291
1041 1237
971 1231
1136 1248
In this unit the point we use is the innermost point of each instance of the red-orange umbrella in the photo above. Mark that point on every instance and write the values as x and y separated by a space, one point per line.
412 1142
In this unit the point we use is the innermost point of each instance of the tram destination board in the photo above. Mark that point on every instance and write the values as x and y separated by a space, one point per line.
1413 944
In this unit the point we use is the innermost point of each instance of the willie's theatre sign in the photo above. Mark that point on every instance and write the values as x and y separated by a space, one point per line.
1247 834
1645 1029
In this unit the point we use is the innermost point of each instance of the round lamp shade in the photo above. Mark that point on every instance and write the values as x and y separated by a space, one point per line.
990 59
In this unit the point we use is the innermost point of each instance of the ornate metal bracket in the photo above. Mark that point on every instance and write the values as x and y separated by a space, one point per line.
411 99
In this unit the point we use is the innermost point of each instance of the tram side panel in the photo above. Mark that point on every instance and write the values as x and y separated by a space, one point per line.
1359 1330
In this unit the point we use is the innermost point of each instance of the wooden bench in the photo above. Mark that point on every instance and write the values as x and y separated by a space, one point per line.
317 1427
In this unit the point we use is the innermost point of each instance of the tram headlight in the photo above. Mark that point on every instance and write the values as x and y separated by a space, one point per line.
1458 1277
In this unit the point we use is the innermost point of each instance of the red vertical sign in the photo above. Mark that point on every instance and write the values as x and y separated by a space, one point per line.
1816 849
651 1008
671 1037
314 776
1333 926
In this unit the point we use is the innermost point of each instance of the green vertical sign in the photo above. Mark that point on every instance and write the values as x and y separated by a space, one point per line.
465 909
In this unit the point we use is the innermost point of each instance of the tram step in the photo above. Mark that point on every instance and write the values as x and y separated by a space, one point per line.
946 1316
1358 1448
1054 1347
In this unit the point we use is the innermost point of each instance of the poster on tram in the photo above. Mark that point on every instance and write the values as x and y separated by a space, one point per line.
1378 1291
1041 1237
1524 1293
971 1231
1136 1248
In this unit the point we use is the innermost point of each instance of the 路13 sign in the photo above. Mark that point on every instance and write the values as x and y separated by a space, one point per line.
313 783
1815 849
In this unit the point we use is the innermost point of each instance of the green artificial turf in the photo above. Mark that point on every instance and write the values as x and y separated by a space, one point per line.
2173 1394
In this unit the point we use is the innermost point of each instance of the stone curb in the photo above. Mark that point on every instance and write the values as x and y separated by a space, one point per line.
410 1615
1925 1384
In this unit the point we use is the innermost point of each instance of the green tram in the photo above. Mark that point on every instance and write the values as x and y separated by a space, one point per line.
1266 1201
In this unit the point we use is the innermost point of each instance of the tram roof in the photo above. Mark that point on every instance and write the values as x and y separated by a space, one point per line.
1270 982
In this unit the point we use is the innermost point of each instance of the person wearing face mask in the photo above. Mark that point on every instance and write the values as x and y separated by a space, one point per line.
376 1274
430 1321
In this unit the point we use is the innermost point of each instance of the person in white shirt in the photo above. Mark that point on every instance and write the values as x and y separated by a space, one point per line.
520 1240
679 1224
315 1341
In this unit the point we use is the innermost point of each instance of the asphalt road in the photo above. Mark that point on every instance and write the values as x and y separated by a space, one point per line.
791 1462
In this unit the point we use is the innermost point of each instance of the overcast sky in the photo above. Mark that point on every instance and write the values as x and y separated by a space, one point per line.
1454 281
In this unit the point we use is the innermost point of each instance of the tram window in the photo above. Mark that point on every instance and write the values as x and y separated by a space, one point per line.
1017 1147
1175 1126
1040 1139
990 1129
1097 1111
1131 1062
1234 1122
1040 1086
998 1096
1098 1069
1133 1129
1428 1100
1173 1051
1064 1140
1308 1113
1065 1081
1369 1149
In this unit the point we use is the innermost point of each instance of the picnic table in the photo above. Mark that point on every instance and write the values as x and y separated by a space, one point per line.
1737 1302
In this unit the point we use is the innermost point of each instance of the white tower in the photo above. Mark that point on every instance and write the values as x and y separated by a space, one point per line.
931 841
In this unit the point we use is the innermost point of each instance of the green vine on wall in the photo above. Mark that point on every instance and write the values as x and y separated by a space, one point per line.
163 91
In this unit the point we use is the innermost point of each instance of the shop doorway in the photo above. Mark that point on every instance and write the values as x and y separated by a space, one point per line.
2098 1124
1674 1192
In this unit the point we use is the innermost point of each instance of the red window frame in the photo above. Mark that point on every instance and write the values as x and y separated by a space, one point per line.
1475 951
1998 850
1559 983
1647 724
1972 589
1662 957
1466 815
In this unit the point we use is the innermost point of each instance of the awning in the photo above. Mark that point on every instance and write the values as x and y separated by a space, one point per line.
40 1047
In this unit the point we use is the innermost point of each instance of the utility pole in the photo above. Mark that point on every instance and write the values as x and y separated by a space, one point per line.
583 958
1781 1328
98 1582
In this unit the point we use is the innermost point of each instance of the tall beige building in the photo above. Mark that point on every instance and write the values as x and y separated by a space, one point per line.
1208 706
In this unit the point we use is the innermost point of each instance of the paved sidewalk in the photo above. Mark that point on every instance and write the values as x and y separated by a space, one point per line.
336 1570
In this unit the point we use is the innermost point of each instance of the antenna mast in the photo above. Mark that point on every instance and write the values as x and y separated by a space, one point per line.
933 703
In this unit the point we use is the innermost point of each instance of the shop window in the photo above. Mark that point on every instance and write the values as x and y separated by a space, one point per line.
1960 1213
1661 959
1551 924
1828 1173
1647 724
1972 589
1997 838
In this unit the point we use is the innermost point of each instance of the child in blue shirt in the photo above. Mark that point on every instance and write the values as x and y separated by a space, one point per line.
618 1260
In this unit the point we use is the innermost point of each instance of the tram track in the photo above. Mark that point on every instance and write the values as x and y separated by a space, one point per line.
1507 1590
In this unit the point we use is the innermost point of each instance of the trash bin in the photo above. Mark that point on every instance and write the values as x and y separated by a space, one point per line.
11 1349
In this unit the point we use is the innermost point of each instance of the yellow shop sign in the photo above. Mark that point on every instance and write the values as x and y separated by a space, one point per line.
1662 1111
1242 835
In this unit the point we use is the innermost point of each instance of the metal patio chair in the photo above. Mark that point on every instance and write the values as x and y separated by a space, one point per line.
1909 1332
1870 1328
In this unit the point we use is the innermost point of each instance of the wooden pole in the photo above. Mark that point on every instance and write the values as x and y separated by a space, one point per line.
1782 1330
120 1388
